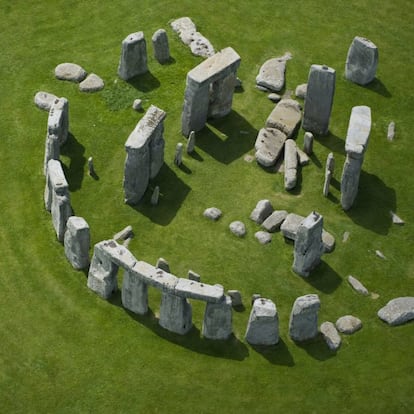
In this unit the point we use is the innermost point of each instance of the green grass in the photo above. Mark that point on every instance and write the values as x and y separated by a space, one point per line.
63 349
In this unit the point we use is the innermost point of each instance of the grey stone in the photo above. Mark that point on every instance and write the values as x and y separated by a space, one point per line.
191 142
345 236
355 146
291 164
44 100
361 61
269 145
272 74
331 335
77 242
191 289
308 245
238 228
357 285
263 237
262 211
155 196
398 311
160 46
319 99
133 60
126 242
303 158
396 219
212 213
300 91
178 157
290 225
236 298
328 241
391 131
274 221
70 71
303 322
263 325
201 46
379 254
274 97
217 322
194 276
124 234
308 143
254 297
145 154
238 84
175 313
285 117
326 184
137 104
92 83
348 324
134 293
163 264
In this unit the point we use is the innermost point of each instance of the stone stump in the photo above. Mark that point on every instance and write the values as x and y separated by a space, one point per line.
291 164
134 293
217 323
175 313
303 323
308 143
160 46
133 61
77 242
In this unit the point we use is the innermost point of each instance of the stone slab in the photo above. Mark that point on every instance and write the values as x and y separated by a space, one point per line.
195 290
398 311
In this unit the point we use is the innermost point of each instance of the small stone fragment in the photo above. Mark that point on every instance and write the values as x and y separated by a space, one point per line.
274 221
331 335
263 237
70 71
194 276
285 117
396 219
262 211
348 324
124 234
178 158
137 104
345 237
44 100
191 142
212 213
91 168
300 91
163 265
380 254
236 299
155 196
269 146
308 143
302 157
398 311
274 97
238 228
92 83
391 131
357 285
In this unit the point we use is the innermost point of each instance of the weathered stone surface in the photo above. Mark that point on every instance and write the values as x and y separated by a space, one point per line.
44 100
175 313
355 146
274 221
191 142
262 211
77 242
124 234
308 245
331 335
263 325
133 60
319 99
269 145
238 228
212 213
163 264
160 46
362 61
391 131
134 293
194 276
236 298
91 167
303 323
348 324
137 104
155 196
398 311
300 91
254 297
285 117
92 83
217 323
329 170
263 237
303 158
291 164
155 276
328 242
308 143
327 183
272 74
290 225
274 97
70 71
201 291
201 46
357 285
178 157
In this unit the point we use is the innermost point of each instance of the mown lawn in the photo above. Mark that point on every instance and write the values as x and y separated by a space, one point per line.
65 350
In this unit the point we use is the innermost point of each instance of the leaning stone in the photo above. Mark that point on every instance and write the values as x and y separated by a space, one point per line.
77 242
92 83
137 104
303 158
236 299
217 322
285 117
345 237
238 228
178 157
160 46
269 146
291 164
191 142
331 335
155 196
163 265
396 219
70 71
124 234
274 221
261 212
274 97
303 322
391 131
212 213
133 60
300 91
330 163
308 143
272 74
398 311
362 61
263 237
44 100
263 325
194 276
357 285
348 324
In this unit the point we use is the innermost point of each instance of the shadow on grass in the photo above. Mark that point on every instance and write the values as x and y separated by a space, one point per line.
173 192
276 354
332 142
373 203
74 173
317 348
378 87
145 83
324 278
239 137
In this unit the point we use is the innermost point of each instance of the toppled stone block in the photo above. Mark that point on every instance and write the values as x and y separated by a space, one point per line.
308 143
331 335
217 323
124 233
160 46
269 145
175 313
303 323
70 72
236 298
272 74
195 290
44 100
212 213
77 242
92 83
274 221
133 61
348 324
361 61
238 228
262 211
263 325
285 117
274 97
291 164
398 311
357 285
194 276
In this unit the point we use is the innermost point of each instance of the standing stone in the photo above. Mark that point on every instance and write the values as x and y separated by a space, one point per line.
194 276
217 323
191 142
355 146
163 264
262 211
160 45
319 99
134 293
133 59
155 196
291 164
362 61
327 183
178 157
303 323
308 143
235 296
308 245
269 146
77 242
329 169
391 131
175 313
263 325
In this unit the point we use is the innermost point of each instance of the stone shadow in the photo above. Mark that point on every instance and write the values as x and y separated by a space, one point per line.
240 137
145 82
276 354
324 278
378 87
74 173
173 192
373 203
317 348
334 143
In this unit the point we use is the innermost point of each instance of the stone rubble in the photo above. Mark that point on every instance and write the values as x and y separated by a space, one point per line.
396 219
274 221
77 242
212 213
262 211
331 335
160 46
137 105
44 100
274 97
92 83
272 74
357 286
263 237
238 228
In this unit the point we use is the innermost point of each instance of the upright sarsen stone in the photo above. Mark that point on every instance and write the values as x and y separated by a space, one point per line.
217 323
133 59
175 313
160 46
303 323
134 293
319 99
77 242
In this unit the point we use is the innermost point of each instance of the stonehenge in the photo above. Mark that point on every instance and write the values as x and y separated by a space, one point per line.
308 143
217 323
303 322
160 46
70 72
77 242
145 154
133 60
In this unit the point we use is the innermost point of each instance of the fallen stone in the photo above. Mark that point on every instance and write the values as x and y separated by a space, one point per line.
396 219
308 143
262 88
272 74
133 60
70 72
77 242
269 146
357 285
263 237
348 324
391 131
160 46
124 234
212 213
137 104
398 311
380 254
238 228
300 91
285 117
194 276
274 97
303 158
92 83
163 265
331 335
262 211
274 221
44 100
291 164
235 296
201 46
303 322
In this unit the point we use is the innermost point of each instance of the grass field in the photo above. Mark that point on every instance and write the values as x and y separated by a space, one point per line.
65 350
